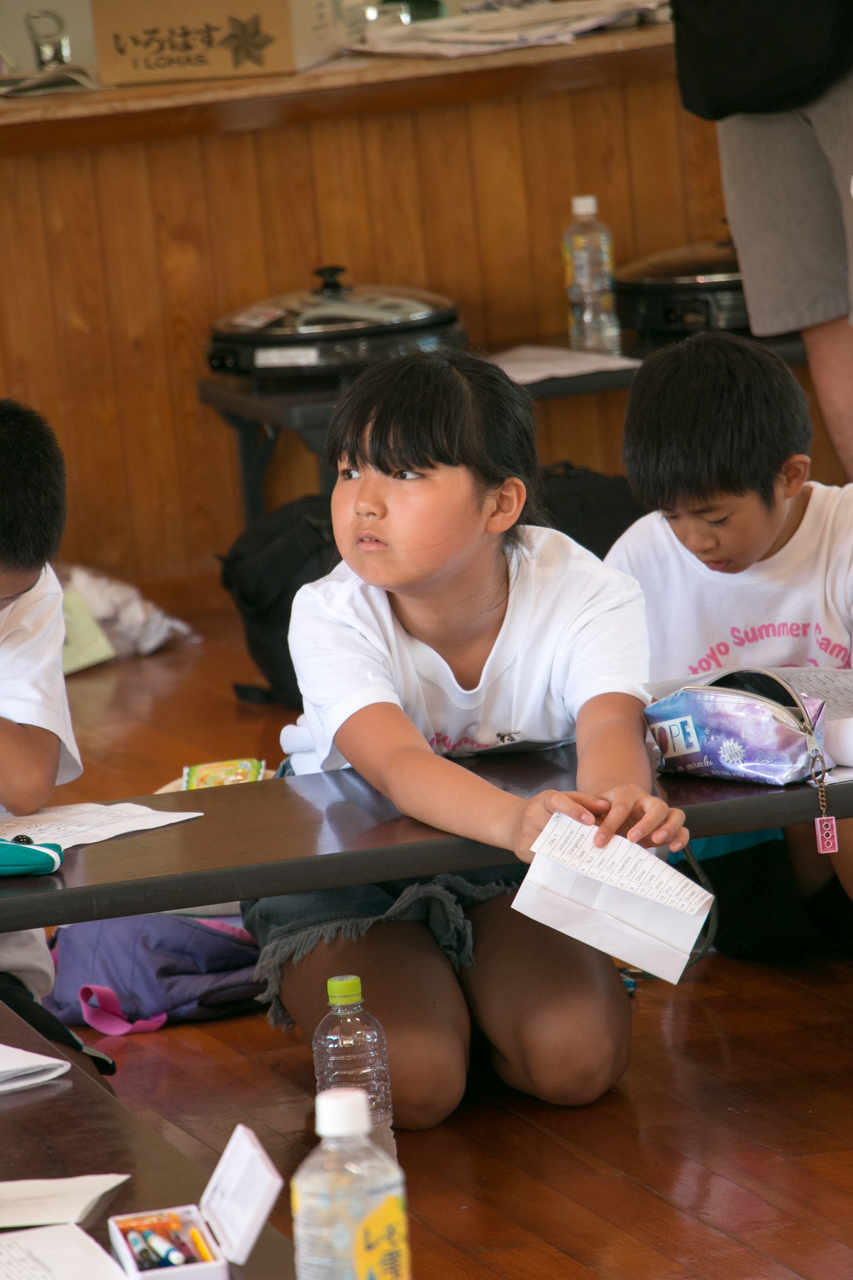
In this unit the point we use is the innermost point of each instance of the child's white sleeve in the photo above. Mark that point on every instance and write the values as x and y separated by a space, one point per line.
340 670
32 686
607 650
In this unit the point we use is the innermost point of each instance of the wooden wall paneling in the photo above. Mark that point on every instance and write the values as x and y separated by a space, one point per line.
656 175
612 406
206 447
705 208
394 199
340 186
287 206
138 342
497 152
572 432
550 181
233 202
78 286
27 330
602 164
825 465
449 215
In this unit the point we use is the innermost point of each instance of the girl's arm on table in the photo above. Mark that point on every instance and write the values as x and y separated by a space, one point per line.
381 742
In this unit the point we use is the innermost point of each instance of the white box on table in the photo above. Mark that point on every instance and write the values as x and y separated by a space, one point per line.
231 1213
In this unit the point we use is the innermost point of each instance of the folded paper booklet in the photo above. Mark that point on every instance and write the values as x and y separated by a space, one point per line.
20 1069
621 899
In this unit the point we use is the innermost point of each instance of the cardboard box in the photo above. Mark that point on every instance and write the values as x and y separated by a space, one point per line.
146 41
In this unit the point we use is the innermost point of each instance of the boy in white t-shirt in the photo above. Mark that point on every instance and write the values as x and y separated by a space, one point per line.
744 563
37 747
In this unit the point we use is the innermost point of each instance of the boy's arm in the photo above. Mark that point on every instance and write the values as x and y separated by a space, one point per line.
381 742
29 759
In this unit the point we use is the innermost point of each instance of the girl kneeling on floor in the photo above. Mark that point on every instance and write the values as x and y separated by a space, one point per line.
454 625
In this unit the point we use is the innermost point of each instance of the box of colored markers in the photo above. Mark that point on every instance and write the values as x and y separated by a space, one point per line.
223 1227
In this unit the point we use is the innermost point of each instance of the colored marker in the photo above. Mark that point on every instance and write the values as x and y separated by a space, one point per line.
143 1255
198 1242
163 1249
180 1243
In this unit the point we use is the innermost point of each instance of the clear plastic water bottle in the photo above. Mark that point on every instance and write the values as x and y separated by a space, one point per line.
349 1199
588 259
350 1051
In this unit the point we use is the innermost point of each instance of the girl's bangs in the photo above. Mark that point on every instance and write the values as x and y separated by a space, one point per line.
400 431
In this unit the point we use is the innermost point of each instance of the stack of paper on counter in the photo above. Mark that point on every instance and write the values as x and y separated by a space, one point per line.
621 899
22 1070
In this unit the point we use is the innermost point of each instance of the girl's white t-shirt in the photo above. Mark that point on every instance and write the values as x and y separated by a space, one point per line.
573 629
794 609
32 691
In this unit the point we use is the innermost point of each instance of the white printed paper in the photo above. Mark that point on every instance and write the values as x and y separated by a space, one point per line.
621 899
535 364
20 1069
71 824
55 1253
36 1202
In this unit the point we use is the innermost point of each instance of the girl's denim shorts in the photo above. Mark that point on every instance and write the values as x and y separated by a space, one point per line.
289 926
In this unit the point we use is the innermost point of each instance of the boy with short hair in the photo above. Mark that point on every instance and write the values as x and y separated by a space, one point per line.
744 563
37 747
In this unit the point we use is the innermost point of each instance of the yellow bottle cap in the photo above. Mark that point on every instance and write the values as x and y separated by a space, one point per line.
344 990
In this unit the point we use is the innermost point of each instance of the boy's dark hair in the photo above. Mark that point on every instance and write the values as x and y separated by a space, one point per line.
449 408
714 414
32 489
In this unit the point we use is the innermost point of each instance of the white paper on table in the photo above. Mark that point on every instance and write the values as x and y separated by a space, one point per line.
462 35
55 1253
621 899
20 1069
534 364
71 824
37 1202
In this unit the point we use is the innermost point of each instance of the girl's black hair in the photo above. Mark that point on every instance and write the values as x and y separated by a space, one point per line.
713 414
32 489
451 408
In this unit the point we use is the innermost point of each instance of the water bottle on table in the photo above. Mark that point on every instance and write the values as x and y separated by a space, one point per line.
350 1052
349 1199
588 260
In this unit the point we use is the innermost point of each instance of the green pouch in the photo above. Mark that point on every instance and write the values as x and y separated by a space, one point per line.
29 859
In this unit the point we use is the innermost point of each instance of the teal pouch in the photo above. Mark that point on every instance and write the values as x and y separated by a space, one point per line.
29 859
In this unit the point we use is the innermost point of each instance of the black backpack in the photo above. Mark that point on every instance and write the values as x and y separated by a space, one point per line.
277 554
593 509
758 56
282 551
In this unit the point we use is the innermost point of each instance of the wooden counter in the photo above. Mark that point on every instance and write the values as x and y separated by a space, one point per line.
349 83
130 219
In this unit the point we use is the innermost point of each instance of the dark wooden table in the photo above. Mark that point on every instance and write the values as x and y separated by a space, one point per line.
326 830
259 417
72 1127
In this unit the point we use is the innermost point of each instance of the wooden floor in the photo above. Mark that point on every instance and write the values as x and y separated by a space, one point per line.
726 1152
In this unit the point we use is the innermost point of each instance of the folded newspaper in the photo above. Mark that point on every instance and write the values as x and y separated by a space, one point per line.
621 899
461 36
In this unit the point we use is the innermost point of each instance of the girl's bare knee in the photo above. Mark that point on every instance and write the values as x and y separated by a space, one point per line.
428 1075
571 1063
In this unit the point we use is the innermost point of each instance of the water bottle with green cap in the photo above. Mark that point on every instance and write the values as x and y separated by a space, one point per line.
350 1052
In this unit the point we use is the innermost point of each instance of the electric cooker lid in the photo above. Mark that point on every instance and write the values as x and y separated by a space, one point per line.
711 262
336 310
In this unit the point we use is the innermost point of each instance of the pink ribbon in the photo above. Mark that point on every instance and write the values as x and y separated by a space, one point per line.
108 1018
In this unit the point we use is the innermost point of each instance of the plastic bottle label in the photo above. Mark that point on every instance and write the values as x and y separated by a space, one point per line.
381 1249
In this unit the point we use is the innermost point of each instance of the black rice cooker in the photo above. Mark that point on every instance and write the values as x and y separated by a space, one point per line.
324 337
682 291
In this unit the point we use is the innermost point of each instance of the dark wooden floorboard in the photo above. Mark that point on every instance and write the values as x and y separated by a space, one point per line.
725 1153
